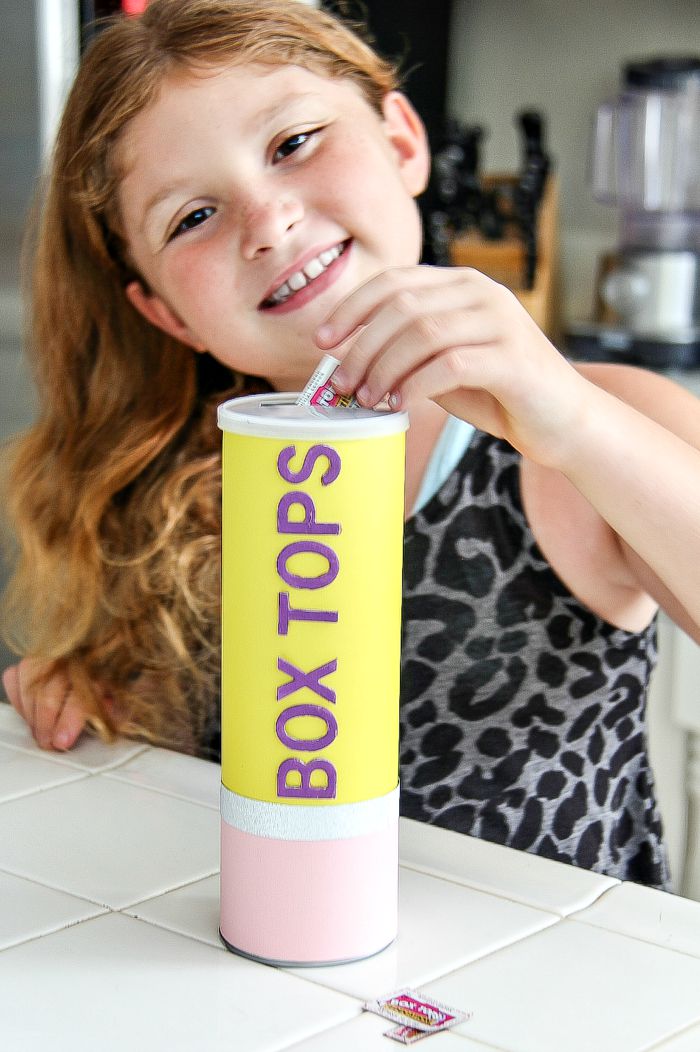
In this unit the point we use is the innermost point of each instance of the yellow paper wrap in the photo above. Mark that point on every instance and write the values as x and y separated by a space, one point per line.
311 601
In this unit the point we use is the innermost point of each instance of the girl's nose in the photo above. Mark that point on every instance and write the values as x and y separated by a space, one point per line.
267 221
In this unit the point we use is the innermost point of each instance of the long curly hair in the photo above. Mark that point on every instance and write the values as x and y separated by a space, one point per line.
113 496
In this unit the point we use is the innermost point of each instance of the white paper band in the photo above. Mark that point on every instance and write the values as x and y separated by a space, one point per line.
304 822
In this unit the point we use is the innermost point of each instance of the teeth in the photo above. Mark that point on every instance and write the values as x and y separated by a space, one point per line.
282 293
313 269
297 281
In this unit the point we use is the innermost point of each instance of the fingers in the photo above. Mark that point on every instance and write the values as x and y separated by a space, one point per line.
436 353
10 683
448 371
46 703
69 725
409 331
461 339
360 305
14 680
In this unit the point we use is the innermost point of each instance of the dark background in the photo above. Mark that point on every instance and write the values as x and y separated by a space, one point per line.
413 32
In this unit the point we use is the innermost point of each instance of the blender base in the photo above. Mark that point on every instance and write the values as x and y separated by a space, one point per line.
607 343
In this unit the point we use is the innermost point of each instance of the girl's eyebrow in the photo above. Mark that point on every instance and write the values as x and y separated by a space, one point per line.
258 118
270 112
158 198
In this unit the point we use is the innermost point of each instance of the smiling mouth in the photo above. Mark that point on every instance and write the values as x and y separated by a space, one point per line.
301 278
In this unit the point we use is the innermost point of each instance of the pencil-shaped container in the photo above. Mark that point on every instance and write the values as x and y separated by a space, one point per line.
311 608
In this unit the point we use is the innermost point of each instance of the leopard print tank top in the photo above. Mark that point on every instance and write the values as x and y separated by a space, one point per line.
522 713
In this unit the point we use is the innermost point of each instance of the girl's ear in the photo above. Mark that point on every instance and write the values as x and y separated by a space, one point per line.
406 133
158 313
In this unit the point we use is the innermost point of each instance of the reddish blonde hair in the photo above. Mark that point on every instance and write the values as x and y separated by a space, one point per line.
114 494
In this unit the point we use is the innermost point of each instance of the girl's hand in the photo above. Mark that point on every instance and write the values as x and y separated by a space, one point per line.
456 336
47 704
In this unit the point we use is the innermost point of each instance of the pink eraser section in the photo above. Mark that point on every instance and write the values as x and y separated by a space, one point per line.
309 902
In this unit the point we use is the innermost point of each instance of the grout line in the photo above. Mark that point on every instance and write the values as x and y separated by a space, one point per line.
450 878
138 751
636 938
167 890
105 905
79 777
54 931
438 976
18 794
602 895
497 950
326 1030
112 766
60 759
162 926
159 789
595 898
176 887
54 887
173 931
51 756
659 1046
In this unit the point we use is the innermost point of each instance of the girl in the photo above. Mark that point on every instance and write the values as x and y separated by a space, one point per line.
232 194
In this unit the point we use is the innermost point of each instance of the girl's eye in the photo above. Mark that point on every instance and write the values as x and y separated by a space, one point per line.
193 219
292 144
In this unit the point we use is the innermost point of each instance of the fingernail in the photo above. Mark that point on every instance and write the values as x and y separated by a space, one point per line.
363 395
62 740
339 380
395 400
324 334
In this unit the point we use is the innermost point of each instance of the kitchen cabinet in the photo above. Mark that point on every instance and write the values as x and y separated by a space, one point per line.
674 733
674 743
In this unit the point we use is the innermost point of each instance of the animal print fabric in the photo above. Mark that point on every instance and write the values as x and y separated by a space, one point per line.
522 713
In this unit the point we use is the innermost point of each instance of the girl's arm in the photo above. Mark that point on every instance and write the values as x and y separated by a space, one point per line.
457 337
636 459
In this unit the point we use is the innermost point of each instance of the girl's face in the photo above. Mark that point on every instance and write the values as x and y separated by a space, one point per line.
255 199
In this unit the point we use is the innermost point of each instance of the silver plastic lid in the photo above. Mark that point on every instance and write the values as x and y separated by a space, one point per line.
278 415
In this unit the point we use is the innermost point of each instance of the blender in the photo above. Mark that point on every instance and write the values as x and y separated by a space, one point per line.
646 161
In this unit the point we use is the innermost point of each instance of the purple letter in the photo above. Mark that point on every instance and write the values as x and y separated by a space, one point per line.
306 525
313 453
305 768
316 548
306 679
306 744
289 613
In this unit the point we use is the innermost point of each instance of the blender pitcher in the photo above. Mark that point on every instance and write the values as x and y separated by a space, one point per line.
646 161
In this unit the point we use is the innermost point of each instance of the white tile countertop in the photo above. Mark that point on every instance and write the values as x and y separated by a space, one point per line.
109 860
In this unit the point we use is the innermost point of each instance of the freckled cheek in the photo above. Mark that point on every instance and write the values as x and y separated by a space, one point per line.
338 170
363 188
200 283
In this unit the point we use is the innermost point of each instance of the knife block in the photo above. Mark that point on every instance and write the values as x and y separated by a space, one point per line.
504 260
